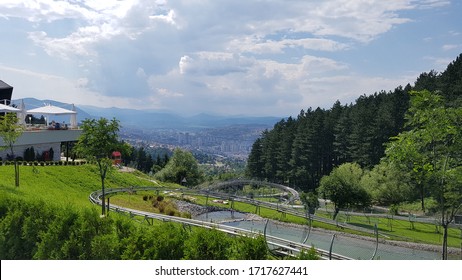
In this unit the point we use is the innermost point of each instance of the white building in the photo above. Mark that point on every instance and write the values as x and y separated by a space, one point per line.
43 138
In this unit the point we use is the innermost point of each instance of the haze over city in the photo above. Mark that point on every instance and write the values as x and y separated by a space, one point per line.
257 58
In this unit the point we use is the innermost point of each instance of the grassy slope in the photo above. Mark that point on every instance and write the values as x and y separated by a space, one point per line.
65 185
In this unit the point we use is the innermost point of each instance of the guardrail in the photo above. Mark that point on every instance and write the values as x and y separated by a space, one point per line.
284 246
295 194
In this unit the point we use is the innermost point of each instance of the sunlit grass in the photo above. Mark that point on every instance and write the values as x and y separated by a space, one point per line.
65 184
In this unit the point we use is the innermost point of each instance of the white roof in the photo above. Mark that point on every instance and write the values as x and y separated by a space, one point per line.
51 110
5 108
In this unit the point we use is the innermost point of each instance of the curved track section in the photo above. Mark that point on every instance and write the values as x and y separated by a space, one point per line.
234 183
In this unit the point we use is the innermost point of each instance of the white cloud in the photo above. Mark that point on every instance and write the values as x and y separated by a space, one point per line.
451 47
261 46
208 55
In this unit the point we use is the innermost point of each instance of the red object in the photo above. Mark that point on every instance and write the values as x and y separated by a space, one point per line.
116 157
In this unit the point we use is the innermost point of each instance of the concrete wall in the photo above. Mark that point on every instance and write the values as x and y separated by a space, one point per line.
42 140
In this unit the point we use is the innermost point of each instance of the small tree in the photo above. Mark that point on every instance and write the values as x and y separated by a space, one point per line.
387 184
343 187
310 200
97 142
181 167
10 131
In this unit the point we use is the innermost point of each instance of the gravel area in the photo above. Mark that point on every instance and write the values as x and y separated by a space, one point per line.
194 209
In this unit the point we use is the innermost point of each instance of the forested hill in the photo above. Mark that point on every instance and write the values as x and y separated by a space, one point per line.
299 151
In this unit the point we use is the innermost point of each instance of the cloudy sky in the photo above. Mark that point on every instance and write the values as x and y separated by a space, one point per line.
227 57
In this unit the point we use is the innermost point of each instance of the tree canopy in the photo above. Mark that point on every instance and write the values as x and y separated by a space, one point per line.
182 168
343 187
431 149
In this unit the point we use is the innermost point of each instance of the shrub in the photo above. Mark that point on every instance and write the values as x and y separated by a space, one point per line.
311 254
206 244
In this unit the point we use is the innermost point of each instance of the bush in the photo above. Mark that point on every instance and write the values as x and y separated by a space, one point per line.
206 244
311 254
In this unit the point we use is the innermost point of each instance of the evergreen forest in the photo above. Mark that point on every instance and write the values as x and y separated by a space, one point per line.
299 151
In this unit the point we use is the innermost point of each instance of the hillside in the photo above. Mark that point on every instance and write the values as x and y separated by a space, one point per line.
64 185
50 217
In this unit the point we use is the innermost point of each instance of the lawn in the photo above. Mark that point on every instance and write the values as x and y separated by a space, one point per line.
68 185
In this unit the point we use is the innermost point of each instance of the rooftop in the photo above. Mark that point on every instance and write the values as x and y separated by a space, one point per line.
4 85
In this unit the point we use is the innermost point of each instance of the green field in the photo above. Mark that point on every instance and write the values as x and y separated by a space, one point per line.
65 185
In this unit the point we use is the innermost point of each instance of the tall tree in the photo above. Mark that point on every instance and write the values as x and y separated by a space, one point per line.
284 150
255 163
10 131
432 146
96 143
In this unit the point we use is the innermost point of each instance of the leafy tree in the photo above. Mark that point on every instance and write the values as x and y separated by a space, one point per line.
387 184
10 131
432 148
310 200
96 143
343 187
182 166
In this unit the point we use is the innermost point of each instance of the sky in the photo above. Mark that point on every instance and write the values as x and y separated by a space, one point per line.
224 57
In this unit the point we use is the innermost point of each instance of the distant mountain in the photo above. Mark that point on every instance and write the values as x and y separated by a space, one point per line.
165 120
150 119
32 103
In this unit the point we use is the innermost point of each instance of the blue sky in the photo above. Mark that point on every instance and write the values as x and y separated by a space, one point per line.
227 57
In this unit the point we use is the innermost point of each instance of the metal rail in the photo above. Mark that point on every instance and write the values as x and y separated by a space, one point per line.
288 209
284 246
295 195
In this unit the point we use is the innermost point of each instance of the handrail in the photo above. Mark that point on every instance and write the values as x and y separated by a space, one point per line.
290 246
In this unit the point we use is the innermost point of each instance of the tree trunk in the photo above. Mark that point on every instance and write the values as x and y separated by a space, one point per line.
337 210
16 173
103 205
102 172
445 241
422 197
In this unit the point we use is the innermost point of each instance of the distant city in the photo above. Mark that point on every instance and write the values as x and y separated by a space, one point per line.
224 136
231 142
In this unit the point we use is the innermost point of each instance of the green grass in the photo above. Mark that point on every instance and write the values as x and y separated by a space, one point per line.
67 185
398 229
